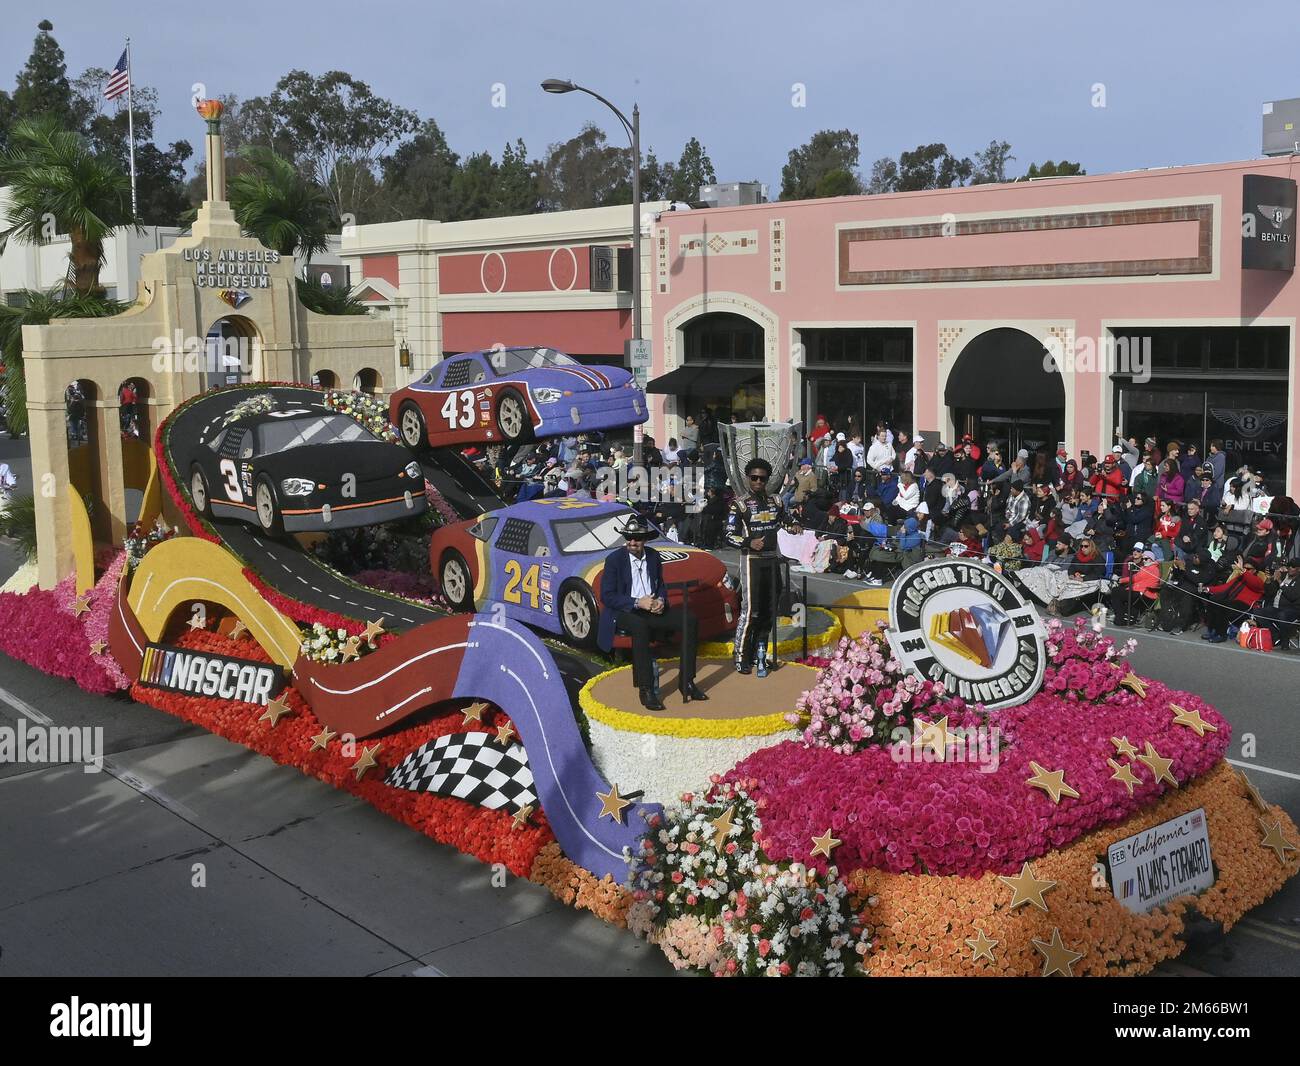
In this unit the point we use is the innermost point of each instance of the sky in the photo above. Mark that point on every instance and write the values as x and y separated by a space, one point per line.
1181 83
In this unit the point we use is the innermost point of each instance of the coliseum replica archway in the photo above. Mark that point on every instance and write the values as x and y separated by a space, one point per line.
214 307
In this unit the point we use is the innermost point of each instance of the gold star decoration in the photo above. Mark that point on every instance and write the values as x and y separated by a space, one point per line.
351 649
275 710
612 803
1192 719
238 629
473 713
1274 839
322 739
366 762
520 820
722 826
935 735
1057 958
1258 800
1124 772
373 629
198 621
505 733
99 647
825 844
1027 888
982 946
1159 766
81 605
1123 746
1134 683
1050 781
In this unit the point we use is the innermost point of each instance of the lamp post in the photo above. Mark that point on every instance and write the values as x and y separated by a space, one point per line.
633 130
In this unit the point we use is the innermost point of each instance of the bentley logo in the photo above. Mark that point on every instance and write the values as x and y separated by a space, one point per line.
1275 215
1249 423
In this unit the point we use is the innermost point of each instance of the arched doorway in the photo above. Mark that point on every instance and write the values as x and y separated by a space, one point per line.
84 413
232 352
1004 388
721 370
325 379
369 381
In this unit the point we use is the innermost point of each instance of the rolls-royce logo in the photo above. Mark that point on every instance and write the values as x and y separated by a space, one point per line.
1249 423
1275 215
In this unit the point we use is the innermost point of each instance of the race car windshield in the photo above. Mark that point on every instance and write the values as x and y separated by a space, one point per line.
511 361
283 434
575 535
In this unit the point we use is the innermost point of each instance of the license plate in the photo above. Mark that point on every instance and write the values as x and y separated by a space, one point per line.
1161 863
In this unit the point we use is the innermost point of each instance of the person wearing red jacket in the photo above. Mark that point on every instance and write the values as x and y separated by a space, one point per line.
1169 524
1108 481
1234 597
1137 588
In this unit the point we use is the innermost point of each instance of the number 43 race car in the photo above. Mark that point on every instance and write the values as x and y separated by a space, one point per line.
510 395
301 466
541 561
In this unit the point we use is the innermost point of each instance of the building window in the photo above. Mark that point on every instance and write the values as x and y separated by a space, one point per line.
858 347
1213 349
723 338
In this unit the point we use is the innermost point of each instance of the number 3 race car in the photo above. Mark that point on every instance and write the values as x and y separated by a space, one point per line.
509 395
542 561
301 466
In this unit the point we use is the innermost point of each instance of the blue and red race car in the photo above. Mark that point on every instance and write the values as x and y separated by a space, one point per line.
511 395
541 561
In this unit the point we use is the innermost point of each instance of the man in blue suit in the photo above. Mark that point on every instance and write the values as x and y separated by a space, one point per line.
634 598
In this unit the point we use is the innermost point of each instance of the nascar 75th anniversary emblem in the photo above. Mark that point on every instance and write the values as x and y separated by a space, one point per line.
963 624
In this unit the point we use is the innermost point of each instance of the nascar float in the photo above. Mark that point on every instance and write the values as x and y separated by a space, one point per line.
512 395
540 562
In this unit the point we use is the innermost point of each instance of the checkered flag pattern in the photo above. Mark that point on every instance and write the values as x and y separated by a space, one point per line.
469 766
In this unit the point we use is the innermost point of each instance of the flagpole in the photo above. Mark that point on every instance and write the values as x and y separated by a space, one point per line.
130 123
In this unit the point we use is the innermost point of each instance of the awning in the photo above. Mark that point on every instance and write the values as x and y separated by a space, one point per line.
705 380
1002 370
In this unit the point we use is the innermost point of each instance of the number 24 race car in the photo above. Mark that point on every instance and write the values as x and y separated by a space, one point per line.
301 467
541 561
510 395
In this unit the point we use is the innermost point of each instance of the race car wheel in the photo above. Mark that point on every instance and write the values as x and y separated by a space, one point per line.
199 491
578 614
457 584
512 418
267 507
410 424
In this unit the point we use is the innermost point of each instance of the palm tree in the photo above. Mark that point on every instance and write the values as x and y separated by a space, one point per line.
274 202
58 185
37 308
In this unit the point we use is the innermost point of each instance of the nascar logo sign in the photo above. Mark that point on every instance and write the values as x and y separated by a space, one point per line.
205 674
967 626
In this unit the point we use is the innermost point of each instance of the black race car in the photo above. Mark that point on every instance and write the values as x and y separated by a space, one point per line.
301 466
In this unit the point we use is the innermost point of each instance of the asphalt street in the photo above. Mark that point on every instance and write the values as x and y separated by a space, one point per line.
190 855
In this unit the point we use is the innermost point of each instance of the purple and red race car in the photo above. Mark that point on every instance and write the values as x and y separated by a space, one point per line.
541 561
511 395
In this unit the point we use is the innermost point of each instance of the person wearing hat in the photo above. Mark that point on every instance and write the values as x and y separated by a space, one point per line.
1137 588
752 525
805 482
634 598
1121 460
1280 609
1231 599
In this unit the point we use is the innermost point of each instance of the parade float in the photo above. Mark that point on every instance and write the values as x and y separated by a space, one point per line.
960 791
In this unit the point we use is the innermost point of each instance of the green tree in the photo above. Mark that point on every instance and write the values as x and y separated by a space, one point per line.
931 166
37 308
6 117
517 191
339 128
693 169
276 203
991 164
808 164
884 176
657 179
473 188
1053 170
418 177
43 88
58 185
584 171
327 300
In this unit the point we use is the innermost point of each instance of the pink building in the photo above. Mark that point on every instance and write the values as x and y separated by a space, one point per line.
937 310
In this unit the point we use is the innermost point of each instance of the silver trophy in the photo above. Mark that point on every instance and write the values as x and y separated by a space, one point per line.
774 441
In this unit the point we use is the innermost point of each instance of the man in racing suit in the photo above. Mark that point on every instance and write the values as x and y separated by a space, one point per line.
752 525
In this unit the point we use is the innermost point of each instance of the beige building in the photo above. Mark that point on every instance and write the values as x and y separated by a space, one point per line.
214 307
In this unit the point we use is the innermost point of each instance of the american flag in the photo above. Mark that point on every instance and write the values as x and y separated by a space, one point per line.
119 80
